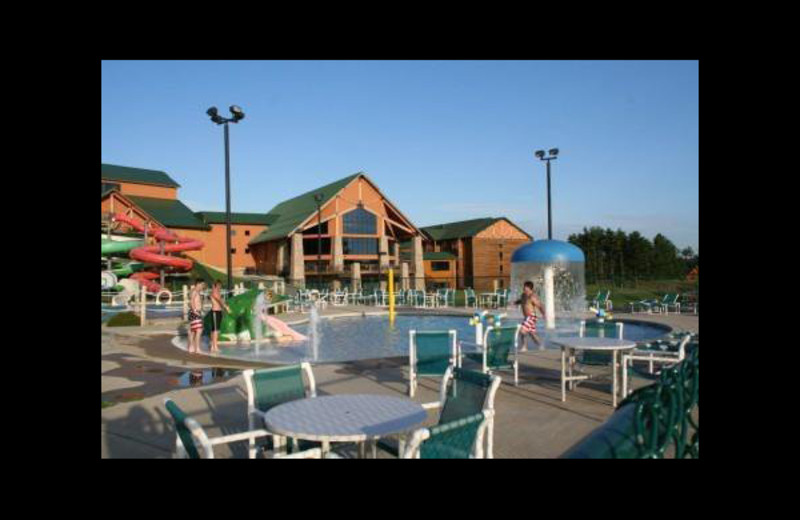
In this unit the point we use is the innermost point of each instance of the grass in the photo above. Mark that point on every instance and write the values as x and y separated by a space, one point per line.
644 290
124 319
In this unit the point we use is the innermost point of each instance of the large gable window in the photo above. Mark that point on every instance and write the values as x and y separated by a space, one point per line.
360 222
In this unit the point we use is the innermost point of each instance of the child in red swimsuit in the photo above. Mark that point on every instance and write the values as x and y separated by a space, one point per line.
529 302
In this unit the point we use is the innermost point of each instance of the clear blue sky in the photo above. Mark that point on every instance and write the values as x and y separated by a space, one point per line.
444 140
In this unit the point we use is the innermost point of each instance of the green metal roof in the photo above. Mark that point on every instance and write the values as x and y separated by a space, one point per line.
104 191
291 213
218 217
442 255
463 228
169 212
113 172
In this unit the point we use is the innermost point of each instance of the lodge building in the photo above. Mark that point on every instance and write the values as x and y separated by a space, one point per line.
342 232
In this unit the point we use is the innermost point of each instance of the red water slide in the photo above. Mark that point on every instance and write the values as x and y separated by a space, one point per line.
152 254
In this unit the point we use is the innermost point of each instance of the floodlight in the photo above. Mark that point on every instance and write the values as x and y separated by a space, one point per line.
237 112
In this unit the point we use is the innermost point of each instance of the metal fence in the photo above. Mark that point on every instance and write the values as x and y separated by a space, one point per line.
379 280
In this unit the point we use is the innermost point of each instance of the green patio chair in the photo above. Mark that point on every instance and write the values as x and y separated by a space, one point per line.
500 350
269 387
461 394
430 353
441 297
650 305
664 353
458 439
671 300
191 440
603 301
594 329
470 298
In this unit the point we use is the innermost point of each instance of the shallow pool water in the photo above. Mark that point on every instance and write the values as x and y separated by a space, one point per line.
372 337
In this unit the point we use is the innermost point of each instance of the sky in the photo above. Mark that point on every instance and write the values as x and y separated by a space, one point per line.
443 140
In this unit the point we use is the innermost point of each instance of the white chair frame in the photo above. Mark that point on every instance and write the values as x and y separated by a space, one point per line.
206 444
412 449
413 377
486 369
255 417
652 357
488 405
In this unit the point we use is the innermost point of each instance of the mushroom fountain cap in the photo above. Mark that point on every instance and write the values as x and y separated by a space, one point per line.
547 252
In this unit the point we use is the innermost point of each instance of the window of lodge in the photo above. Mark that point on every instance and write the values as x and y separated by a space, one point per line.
360 222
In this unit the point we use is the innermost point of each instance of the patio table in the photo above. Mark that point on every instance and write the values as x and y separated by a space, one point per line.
345 418
573 343
491 297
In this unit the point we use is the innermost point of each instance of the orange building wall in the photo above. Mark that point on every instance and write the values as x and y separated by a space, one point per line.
145 190
214 251
448 276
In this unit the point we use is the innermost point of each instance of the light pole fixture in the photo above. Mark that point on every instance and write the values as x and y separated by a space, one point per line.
551 155
318 198
238 115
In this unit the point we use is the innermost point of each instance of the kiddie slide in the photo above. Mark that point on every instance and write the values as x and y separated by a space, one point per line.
284 329
152 254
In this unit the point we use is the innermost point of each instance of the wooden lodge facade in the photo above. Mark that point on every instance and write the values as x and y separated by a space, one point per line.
481 251
342 232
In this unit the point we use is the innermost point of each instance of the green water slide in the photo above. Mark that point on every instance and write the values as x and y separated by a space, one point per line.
121 248
239 323
118 247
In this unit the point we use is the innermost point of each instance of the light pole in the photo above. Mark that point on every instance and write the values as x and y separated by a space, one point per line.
318 199
552 153
238 115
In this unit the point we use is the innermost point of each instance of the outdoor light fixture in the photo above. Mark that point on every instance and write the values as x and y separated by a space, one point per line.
238 115
553 152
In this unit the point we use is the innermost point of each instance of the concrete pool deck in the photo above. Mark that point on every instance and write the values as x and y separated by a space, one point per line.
140 367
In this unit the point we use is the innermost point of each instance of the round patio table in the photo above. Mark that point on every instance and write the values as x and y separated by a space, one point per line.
573 343
489 297
345 418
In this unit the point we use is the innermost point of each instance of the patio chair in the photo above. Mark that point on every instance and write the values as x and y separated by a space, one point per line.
459 439
499 345
603 301
502 298
650 305
671 300
461 394
429 355
470 298
269 387
191 440
594 329
441 297
664 353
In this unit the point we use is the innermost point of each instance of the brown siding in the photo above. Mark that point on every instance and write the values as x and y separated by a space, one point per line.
214 254
441 276
145 190
486 262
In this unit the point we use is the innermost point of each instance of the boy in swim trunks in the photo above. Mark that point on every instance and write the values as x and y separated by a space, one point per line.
529 302
195 316
217 303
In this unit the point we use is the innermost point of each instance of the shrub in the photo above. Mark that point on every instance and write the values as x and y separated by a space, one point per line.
124 319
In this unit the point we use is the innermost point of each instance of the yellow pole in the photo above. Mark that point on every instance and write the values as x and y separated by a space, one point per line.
391 295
